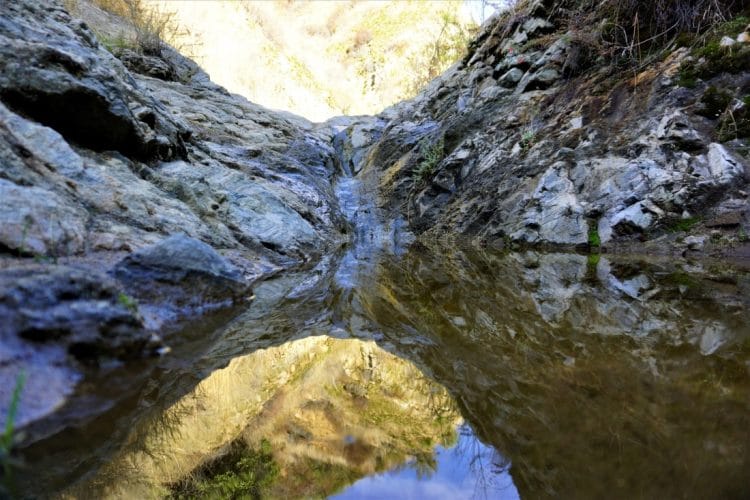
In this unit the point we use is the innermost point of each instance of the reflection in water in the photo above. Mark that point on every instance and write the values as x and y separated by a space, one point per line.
596 379
471 469
323 411
583 378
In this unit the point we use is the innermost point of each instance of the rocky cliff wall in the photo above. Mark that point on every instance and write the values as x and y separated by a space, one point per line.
531 140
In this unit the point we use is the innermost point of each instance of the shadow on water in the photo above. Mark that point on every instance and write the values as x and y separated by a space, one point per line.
575 377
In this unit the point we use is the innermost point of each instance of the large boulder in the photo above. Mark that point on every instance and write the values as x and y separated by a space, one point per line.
182 271
82 309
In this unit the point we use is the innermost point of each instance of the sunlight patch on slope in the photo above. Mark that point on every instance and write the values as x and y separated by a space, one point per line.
322 59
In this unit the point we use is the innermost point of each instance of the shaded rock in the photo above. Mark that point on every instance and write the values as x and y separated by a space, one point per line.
82 310
511 77
29 151
676 128
55 72
728 219
555 55
153 66
540 80
184 271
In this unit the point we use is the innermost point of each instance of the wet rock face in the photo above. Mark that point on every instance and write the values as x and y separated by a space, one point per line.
543 148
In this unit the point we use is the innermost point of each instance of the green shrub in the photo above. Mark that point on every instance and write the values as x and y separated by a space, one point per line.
241 473
432 153
594 239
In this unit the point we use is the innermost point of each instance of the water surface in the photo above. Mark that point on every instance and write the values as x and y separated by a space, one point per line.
441 373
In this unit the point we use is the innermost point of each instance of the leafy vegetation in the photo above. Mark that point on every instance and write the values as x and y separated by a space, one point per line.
633 33
448 47
527 139
152 28
682 225
432 153
127 302
241 473
594 239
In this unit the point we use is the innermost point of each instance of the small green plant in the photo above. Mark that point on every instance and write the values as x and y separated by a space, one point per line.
687 77
241 473
153 27
22 249
594 239
432 154
527 139
683 225
742 235
127 302
714 102
8 438
116 44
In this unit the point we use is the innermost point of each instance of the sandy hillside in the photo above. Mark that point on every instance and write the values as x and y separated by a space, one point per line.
321 58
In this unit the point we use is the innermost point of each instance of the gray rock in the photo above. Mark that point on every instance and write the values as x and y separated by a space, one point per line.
191 271
633 218
511 77
539 80
35 221
695 242
676 128
556 215
722 165
55 72
83 310
555 55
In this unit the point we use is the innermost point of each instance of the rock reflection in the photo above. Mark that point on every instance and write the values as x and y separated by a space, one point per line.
596 378
303 419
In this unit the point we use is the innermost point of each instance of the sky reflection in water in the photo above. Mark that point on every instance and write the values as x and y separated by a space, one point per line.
470 469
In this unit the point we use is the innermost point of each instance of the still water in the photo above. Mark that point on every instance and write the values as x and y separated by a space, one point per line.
438 373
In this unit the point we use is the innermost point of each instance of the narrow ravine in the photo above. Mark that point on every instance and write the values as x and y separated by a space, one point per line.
530 280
